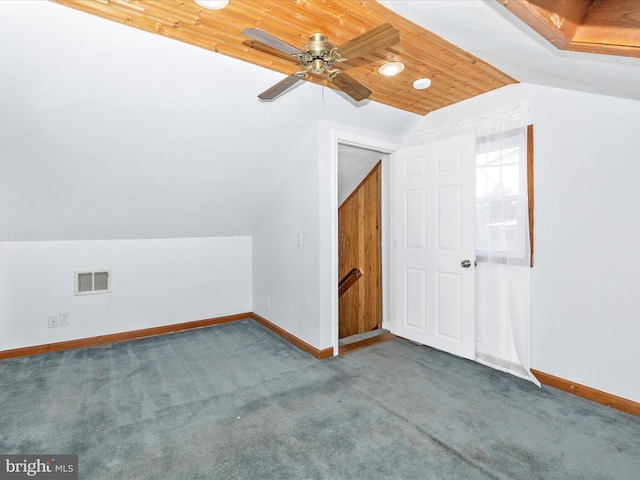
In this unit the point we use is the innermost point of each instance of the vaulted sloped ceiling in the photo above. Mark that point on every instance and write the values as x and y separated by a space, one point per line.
456 75
110 132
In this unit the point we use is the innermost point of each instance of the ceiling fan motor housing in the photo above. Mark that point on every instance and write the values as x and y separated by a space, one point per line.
318 54
317 44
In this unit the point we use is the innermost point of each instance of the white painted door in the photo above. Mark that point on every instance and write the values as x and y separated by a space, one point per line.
433 205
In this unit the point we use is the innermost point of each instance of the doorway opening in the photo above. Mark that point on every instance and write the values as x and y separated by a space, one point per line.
360 251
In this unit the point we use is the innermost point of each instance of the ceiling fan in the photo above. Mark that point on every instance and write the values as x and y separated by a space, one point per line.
318 57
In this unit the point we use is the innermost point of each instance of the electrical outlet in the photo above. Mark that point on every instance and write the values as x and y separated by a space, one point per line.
53 321
269 303
64 318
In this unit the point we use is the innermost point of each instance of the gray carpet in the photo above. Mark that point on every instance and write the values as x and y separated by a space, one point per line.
235 401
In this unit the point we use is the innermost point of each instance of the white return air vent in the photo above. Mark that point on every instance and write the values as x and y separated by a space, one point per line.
89 283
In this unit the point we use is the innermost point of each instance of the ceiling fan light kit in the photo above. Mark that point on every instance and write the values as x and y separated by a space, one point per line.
212 4
317 56
391 69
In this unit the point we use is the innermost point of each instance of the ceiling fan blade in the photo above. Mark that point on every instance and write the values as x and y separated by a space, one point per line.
348 85
279 88
379 38
271 41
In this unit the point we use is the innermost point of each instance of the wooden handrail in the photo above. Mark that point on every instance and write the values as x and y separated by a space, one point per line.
348 280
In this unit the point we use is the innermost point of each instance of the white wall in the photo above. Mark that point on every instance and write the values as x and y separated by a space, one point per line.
154 282
354 164
584 321
284 271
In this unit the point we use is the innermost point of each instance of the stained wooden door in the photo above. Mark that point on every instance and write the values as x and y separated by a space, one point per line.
360 307
433 286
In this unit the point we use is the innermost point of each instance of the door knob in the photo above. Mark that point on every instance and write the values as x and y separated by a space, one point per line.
465 263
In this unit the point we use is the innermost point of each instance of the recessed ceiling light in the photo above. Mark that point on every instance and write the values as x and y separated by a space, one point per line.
422 83
390 69
212 4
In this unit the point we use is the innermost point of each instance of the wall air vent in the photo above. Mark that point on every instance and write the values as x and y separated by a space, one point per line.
88 282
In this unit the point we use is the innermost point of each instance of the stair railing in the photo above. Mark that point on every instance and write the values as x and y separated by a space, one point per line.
348 280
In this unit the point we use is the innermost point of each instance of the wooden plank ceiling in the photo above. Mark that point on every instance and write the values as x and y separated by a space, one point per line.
455 74
609 27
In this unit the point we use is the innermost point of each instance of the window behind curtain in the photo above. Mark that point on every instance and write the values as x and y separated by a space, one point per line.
502 207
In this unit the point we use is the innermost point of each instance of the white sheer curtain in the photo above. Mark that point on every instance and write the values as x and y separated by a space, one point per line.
502 238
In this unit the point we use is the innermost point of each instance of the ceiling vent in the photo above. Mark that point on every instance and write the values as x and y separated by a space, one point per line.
92 282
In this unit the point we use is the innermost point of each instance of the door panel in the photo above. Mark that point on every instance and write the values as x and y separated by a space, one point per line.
448 213
448 321
416 288
433 296
415 201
